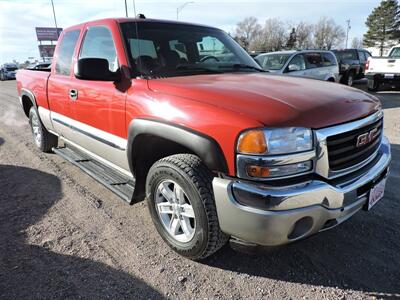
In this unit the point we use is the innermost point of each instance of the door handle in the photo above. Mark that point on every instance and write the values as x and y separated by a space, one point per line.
73 94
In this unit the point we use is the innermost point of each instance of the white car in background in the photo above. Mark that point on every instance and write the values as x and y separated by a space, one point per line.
316 64
383 70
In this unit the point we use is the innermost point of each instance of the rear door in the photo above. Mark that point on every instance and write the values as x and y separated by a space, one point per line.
314 65
59 83
99 108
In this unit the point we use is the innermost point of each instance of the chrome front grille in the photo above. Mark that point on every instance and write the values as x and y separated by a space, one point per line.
343 151
337 151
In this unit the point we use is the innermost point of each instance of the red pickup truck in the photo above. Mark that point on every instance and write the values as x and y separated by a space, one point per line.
181 115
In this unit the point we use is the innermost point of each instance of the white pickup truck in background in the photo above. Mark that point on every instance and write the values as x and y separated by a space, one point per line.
380 70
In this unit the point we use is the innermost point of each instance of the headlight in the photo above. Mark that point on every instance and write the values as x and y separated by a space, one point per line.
275 153
275 141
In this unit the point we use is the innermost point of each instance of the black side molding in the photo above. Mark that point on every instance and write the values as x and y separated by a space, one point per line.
202 145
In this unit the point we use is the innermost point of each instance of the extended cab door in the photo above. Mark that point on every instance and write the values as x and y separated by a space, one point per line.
99 106
59 83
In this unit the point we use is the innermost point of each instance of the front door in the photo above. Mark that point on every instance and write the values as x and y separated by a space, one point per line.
99 106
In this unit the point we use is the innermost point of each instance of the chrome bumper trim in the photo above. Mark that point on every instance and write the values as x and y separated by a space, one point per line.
317 202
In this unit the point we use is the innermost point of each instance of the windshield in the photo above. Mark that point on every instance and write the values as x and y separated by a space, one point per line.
165 50
273 62
11 68
346 55
395 52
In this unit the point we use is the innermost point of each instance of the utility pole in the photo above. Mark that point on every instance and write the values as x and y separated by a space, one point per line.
179 8
54 15
126 9
347 31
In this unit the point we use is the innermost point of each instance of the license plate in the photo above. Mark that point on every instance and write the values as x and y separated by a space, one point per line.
376 193
390 76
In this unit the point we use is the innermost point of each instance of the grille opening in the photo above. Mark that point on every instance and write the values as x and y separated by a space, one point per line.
343 151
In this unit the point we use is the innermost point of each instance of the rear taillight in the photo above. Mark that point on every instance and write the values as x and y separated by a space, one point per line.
367 65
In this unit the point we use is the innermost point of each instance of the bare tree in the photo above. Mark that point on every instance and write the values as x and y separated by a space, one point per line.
274 35
357 43
247 31
304 33
327 34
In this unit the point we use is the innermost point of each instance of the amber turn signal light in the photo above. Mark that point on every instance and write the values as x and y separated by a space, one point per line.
252 142
257 171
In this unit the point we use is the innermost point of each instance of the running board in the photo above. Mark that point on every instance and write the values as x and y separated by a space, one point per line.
118 183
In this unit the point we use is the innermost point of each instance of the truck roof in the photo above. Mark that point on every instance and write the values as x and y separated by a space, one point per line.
144 20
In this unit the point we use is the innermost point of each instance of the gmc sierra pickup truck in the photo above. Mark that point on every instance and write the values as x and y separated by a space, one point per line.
180 115
383 70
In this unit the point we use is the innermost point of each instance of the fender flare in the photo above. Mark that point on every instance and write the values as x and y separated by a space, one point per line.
31 96
202 145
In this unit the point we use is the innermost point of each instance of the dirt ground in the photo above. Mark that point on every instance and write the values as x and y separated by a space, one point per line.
64 236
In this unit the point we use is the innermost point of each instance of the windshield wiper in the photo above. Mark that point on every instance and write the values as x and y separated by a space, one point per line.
197 68
244 66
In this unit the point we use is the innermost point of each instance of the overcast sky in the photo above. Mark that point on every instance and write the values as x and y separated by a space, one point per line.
18 18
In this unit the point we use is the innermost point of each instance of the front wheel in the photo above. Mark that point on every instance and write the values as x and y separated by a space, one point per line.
44 140
181 203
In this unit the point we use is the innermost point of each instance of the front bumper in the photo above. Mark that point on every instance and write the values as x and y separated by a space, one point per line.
271 216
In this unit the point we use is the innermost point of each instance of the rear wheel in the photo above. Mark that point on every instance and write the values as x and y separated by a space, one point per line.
350 79
372 85
181 203
44 140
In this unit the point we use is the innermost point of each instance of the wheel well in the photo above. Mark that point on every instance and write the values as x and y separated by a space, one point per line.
331 79
26 104
146 150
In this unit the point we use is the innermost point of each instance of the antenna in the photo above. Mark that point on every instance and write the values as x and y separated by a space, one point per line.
347 31
134 7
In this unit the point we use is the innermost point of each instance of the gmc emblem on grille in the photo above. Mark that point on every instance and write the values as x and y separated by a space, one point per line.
366 138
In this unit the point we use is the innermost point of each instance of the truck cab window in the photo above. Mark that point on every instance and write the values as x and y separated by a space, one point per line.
67 47
98 43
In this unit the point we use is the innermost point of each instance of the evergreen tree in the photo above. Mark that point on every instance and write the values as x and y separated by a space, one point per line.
383 25
292 39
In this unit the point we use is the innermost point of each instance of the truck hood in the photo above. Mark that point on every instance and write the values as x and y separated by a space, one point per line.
273 100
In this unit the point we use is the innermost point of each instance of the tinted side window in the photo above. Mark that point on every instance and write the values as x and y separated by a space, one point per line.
313 60
329 59
367 55
67 47
361 54
98 43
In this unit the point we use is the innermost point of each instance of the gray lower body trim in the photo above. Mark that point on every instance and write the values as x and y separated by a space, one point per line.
88 134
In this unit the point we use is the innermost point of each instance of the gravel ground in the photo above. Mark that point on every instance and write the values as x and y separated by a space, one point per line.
63 235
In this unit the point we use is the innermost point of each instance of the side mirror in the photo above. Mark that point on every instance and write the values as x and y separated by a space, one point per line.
95 69
293 68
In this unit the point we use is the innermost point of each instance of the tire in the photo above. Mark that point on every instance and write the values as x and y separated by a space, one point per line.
44 140
350 79
372 85
187 172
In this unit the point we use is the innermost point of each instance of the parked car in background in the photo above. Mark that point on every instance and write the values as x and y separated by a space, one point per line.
351 64
39 66
8 71
383 70
316 64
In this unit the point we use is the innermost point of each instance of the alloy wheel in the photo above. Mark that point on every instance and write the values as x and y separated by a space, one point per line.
175 211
